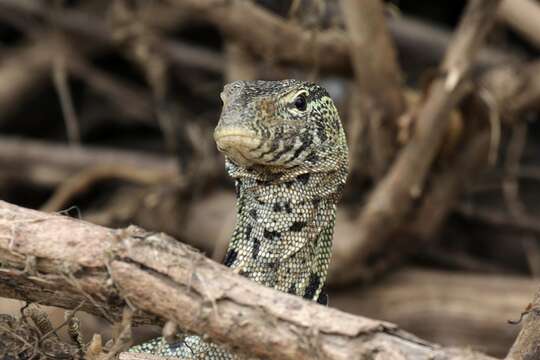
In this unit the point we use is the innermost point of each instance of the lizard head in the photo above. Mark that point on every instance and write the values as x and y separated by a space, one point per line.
279 125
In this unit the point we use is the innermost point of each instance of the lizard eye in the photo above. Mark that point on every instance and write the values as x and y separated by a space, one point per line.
300 102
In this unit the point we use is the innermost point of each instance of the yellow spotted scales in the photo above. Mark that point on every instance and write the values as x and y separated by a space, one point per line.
286 149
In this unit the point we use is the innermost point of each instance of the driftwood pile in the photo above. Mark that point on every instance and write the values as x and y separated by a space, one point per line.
106 114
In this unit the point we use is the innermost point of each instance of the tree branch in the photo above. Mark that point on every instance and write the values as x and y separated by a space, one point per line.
22 70
421 45
523 16
251 26
92 26
378 77
395 194
49 164
55 260
449 306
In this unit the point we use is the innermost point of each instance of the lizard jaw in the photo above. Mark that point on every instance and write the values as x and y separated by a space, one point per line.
237 144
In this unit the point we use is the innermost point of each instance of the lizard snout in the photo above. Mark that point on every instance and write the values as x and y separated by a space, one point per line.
236 143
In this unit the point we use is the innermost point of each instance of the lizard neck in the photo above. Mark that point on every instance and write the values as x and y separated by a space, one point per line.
283 236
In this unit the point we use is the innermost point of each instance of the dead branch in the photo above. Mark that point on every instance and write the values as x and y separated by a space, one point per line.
394 195
447 185
251 26
496 218
378 77
453 307
22 70
512 92
266 33
522 15
82 181
85 24
61 83
158 204
527 345
128 98
436 203
156 274
515 89
50 164
194 56
240 64
424 45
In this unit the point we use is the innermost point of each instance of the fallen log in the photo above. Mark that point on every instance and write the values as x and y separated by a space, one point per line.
451 307
56 260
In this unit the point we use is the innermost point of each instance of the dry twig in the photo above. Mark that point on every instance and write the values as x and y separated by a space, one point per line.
61 83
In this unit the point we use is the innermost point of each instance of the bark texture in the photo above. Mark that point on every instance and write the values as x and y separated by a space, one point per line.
101 267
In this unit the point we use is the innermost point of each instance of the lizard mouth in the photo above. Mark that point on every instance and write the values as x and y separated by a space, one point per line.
237 144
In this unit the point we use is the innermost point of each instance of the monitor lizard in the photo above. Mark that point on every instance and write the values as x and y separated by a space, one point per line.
285 148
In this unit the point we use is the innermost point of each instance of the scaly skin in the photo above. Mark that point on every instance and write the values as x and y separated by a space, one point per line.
286 149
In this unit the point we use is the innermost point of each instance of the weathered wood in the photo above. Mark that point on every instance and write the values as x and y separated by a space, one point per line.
43 253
